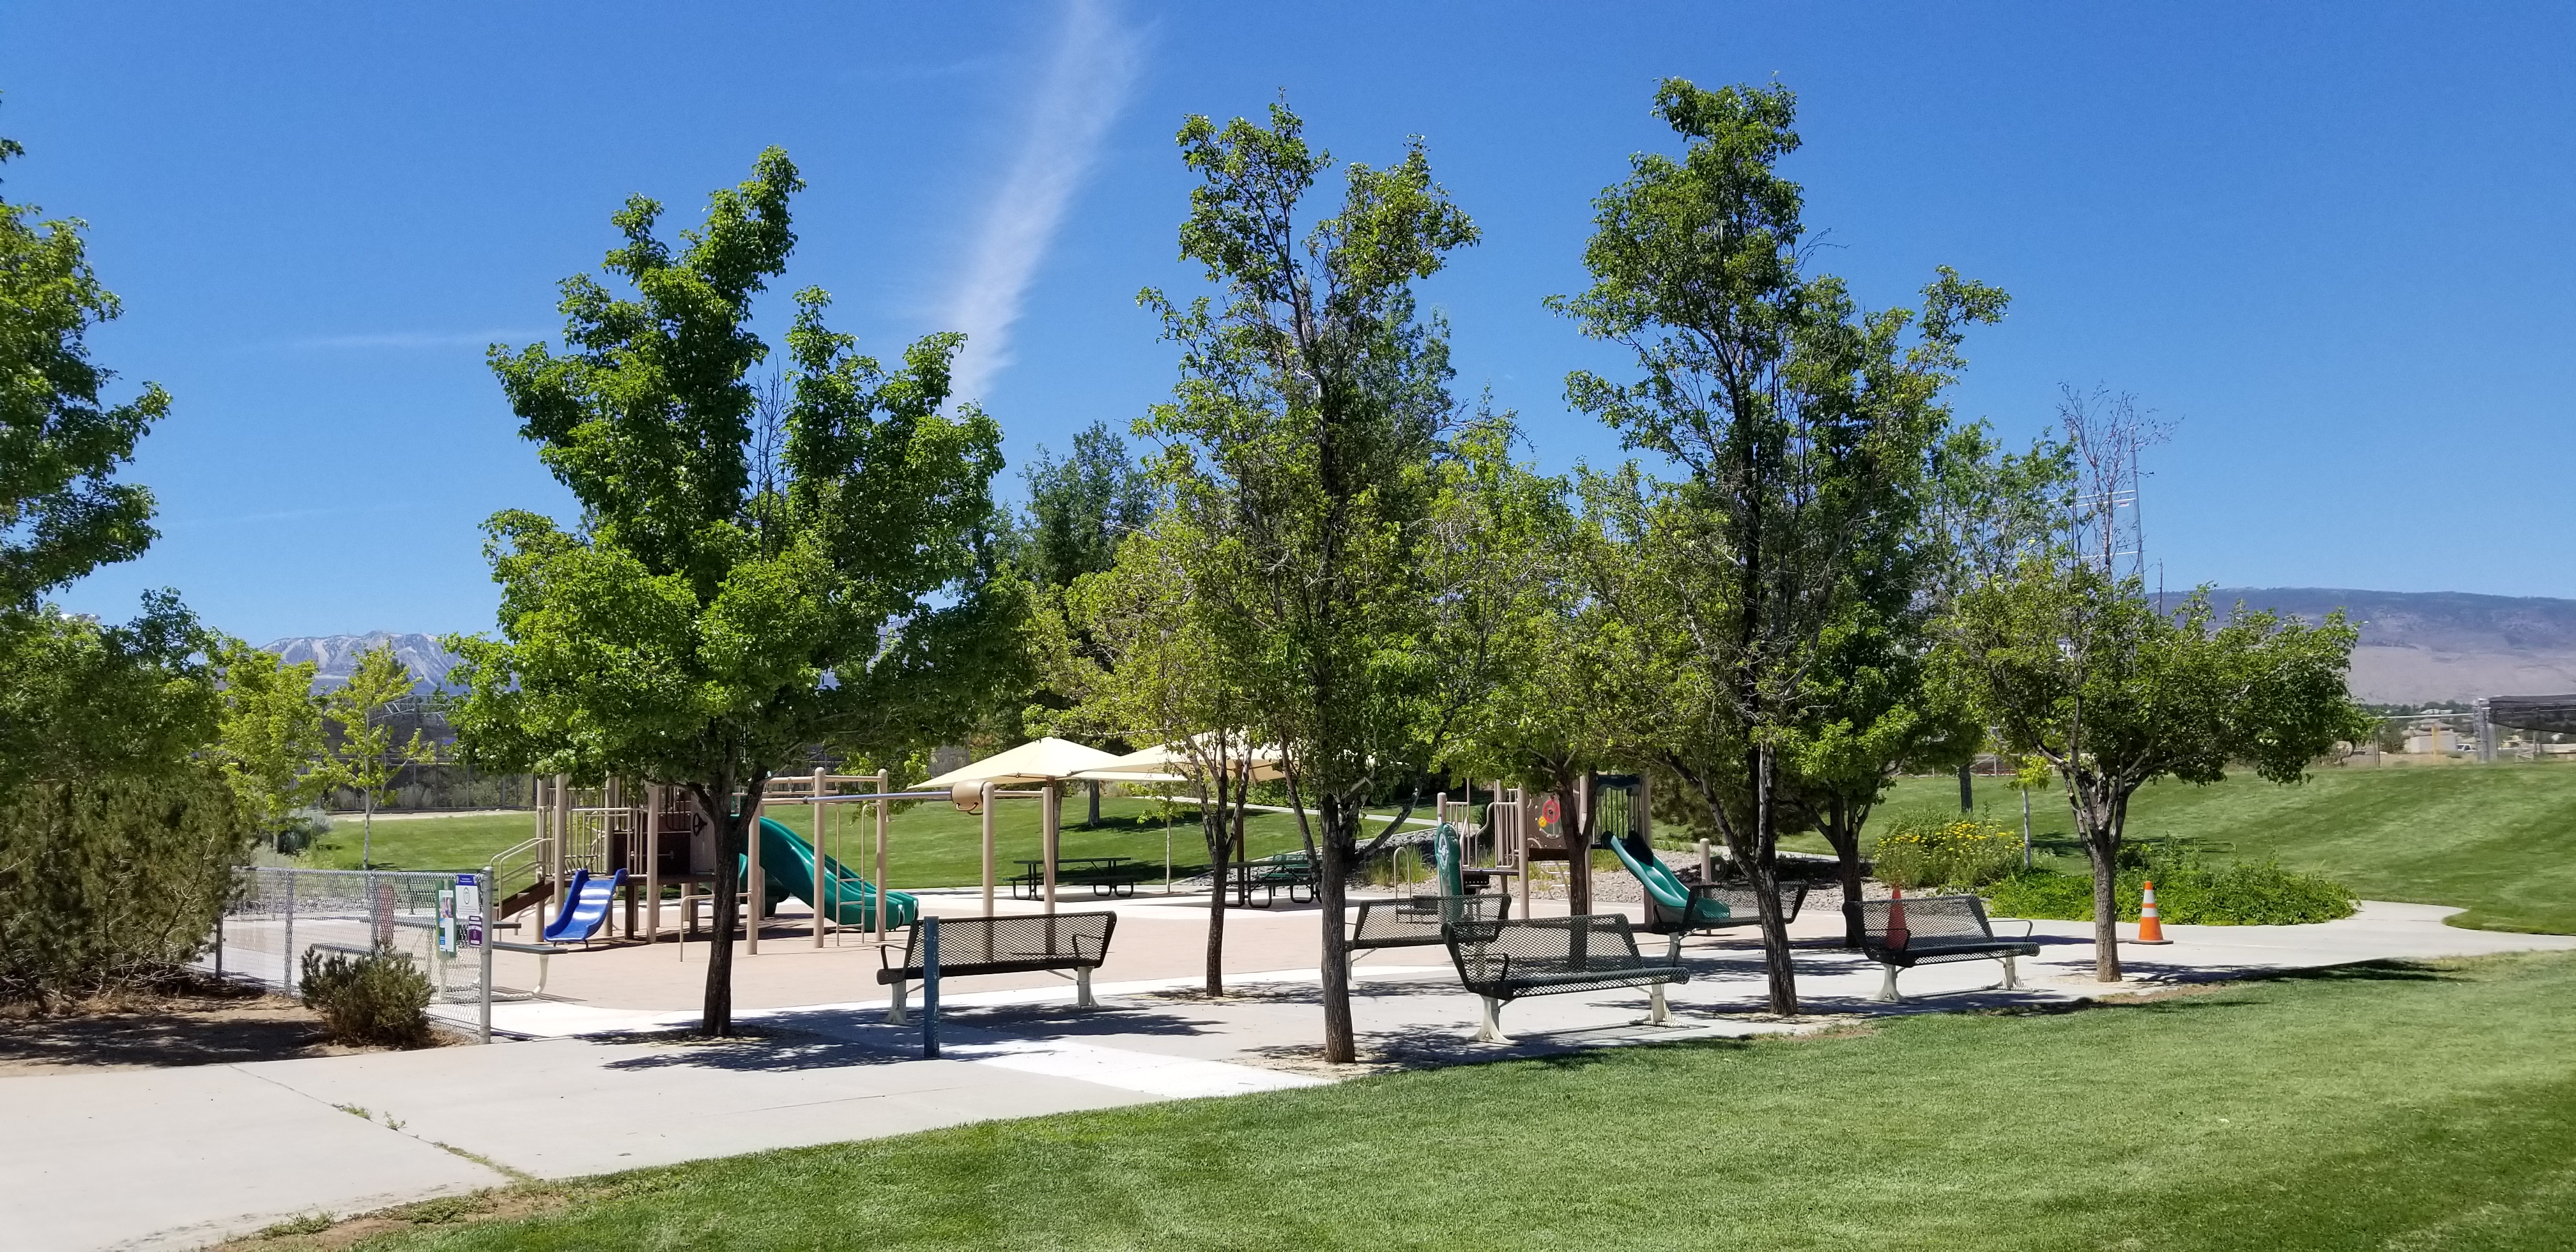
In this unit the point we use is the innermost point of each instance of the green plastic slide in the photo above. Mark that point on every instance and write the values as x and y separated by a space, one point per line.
787 861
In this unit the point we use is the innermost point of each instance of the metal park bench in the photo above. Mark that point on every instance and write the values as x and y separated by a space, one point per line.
1043 942
1419 922
1674 907
1504 961
1930 930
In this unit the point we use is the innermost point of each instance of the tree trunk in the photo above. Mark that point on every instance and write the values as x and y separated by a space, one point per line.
1341 1046
1968 788
1094 818
1842 832
716 1017
1765 872
1220 841
2102 846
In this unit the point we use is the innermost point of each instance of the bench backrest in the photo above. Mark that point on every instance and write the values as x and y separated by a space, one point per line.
1421 918
1924 922
1070 938
1547 945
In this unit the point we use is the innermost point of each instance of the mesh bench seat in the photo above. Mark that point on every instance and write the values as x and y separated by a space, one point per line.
1503 961
1039 943
1932 930
1674 907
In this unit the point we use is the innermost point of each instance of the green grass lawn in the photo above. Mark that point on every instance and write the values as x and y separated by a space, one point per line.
2419 1107
931 845
2499 840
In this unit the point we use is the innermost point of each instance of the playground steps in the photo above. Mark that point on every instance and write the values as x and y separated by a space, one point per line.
526 898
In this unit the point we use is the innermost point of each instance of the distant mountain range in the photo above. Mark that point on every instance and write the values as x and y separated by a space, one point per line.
2425 646
336 657
2416 646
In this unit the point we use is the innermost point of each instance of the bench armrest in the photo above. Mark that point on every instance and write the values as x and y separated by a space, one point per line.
2022 922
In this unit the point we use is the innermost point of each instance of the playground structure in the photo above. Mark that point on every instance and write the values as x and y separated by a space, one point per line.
648 845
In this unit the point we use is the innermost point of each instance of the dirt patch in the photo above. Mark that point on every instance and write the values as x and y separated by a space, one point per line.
203 1023
320 1232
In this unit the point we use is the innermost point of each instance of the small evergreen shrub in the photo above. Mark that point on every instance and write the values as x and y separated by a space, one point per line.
1961 854
2189 892
379 998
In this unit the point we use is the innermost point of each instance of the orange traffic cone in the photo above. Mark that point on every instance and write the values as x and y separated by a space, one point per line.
2151 928
1897 935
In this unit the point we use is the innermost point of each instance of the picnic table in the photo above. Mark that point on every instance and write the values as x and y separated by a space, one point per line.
1105 875
1288 871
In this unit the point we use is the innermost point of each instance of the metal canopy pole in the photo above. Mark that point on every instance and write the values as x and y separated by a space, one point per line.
817 806
1050 826
987 806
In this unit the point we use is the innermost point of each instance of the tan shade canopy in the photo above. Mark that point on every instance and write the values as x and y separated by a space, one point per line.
1172 761
1039 760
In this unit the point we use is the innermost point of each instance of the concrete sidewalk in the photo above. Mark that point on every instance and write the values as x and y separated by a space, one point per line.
177 1158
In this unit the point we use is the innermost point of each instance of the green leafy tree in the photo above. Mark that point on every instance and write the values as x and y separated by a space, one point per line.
1080 509
269 743
1871 711
2079 668
367 758
1800 425
1301 441
61 512
724 608
1083 506
1158 671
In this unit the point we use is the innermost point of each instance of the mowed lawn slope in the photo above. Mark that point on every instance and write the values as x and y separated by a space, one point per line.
2499 840
930 845
2423 1107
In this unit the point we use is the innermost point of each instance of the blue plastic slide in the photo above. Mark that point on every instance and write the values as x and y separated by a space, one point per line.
787 861
588 908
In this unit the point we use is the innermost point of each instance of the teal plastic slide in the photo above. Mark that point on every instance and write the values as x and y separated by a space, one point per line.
787 861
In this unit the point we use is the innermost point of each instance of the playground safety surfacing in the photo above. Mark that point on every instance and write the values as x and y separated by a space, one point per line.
602 1076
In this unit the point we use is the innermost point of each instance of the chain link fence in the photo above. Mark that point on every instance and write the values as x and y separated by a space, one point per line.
435 921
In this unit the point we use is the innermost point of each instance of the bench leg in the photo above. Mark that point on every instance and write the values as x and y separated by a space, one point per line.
1887 990
1658 1013
2012 978
1489 1027
894 1011
1082 989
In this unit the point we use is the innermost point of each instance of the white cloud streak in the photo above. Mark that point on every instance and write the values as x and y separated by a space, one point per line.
1085 87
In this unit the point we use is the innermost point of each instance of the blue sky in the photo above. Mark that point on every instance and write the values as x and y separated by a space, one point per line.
2330 241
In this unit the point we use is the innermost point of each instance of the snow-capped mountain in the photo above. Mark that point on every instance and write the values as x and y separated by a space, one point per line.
336 657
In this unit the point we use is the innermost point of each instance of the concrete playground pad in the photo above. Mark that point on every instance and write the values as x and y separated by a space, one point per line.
600 1080
177 1158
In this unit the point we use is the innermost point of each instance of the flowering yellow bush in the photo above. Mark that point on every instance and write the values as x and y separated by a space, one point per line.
1963 853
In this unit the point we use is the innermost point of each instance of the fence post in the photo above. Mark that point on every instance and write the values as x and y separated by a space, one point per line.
490 907
929 988
286 974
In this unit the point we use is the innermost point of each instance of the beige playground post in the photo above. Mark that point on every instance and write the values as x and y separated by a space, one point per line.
552 907
1050 825
883 777
817 806
758 882
652 862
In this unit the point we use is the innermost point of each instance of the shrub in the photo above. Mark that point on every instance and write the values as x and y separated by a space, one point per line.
2189 892
379 998
1960 854
113 882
